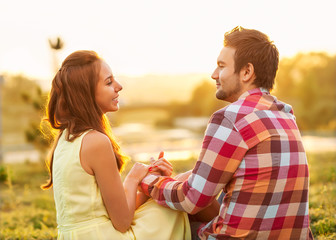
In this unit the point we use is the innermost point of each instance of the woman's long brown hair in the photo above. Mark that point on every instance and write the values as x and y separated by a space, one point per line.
72 104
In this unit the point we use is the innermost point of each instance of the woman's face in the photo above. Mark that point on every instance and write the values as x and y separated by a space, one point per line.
107 90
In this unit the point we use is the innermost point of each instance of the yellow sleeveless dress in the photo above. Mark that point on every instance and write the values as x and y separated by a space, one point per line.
81 214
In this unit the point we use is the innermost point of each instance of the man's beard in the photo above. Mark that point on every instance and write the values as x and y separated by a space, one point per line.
226 95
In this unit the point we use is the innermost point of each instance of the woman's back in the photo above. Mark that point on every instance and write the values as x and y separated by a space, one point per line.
77 196
81 213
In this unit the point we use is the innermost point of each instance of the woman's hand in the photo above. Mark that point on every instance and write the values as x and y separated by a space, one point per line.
137 173
161 166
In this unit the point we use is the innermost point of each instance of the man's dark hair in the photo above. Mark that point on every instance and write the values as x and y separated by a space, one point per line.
256 48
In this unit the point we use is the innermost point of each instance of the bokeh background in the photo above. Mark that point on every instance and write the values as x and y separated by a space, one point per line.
163 53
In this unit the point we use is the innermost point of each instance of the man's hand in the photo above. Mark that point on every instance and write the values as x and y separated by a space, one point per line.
161 166
183 176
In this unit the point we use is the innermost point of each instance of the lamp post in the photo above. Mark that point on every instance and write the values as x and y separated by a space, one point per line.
1 145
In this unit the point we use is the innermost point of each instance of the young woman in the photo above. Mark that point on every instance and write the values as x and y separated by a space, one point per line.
91 200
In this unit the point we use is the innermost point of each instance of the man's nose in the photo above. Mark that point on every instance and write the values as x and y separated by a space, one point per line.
215 75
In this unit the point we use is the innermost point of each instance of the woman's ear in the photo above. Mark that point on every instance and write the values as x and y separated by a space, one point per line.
247 73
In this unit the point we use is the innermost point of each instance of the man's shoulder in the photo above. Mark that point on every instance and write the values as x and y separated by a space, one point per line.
235 111
250 105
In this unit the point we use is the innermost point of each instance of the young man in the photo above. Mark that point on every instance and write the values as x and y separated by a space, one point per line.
252 150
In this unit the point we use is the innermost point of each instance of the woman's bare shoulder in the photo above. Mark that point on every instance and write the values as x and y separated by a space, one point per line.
96 140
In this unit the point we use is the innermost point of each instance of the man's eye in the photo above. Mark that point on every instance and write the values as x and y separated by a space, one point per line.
109 83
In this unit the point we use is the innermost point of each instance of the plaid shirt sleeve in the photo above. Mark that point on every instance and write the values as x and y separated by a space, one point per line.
222 152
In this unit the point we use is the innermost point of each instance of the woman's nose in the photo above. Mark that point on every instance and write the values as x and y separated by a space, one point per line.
118 87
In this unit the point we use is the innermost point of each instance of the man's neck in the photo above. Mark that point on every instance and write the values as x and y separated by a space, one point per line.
243 90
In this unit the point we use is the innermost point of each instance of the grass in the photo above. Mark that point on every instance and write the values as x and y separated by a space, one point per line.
26 211
29 213
322 195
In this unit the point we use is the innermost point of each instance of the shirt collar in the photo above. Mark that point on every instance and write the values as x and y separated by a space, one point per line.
255 91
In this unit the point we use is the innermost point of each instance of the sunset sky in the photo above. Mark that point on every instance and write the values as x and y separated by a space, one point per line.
153 36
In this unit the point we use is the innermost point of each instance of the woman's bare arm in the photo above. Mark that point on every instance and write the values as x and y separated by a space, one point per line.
97 157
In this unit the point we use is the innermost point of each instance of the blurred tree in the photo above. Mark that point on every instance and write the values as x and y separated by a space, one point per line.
1 143
308 83
16 113
203 102
29 101
23 109
38 132
56 45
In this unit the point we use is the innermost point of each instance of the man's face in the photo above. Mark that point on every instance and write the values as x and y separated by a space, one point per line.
228 82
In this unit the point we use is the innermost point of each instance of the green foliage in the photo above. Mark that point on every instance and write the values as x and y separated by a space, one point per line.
16 113
203 102
3 174
40 135
24 101
308 83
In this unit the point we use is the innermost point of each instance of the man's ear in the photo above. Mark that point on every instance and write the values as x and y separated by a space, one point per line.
247 73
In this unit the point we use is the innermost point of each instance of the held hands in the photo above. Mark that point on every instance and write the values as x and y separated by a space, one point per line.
160 166
157 167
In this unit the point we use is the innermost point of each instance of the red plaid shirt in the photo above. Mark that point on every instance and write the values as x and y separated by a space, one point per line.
252 150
